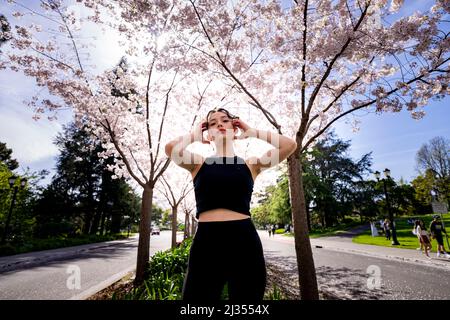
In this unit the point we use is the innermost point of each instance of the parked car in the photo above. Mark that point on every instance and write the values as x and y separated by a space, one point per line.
154 230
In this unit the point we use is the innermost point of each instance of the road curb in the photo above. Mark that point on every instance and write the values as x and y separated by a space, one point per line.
102 285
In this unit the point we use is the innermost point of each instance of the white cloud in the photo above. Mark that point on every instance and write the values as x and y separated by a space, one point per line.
31 141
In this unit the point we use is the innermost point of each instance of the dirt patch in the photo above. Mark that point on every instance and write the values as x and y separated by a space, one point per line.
119 289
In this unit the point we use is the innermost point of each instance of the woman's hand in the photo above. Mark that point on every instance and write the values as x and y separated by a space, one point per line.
198 131
238 123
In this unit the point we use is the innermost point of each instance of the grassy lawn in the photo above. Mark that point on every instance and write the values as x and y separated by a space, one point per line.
404 234
332 231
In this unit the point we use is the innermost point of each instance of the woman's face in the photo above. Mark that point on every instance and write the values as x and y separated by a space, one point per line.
220 125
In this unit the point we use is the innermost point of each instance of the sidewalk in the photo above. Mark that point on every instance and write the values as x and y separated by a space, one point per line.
344 244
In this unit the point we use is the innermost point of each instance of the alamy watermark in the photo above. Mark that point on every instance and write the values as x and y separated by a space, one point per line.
74 280
374 279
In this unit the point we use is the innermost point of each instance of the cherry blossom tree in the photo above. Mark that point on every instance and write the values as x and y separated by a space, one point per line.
307 64
129 107
302 65
176 186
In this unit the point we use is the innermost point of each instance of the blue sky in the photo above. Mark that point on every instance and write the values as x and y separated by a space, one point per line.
394 139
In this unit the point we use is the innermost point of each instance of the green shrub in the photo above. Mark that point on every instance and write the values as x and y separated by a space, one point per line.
280 231
274 294
7 250
164 275
172 261
157 287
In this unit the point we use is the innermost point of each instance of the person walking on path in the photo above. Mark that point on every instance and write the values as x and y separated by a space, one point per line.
436 230
226 247
387 228
414 231
424 237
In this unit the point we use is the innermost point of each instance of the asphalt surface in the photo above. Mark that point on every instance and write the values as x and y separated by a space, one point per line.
71 273
344 269
360 276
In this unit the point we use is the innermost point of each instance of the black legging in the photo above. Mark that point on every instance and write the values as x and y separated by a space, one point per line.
225 251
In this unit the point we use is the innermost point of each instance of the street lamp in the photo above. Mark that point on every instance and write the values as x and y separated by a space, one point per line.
12 181
387 174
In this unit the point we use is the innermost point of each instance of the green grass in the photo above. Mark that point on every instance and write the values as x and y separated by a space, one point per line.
404 234
331 231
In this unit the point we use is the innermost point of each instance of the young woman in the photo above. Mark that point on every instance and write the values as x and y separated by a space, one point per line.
226 247
424 237
414 231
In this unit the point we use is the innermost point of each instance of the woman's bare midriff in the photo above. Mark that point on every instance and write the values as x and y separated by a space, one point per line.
221 214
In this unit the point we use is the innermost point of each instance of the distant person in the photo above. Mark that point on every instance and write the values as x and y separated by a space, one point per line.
424 237
270 230
436 229
273 230
414 231
387 228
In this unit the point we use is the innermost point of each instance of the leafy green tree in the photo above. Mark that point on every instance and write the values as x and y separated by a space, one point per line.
334 188
84 197
332 178
364 196
423 184
5 30
435 157
5 157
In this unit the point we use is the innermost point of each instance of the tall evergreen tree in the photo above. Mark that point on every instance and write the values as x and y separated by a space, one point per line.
334 187
6 157
335 179
83 197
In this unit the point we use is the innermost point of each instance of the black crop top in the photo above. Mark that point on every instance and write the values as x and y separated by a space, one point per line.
223 182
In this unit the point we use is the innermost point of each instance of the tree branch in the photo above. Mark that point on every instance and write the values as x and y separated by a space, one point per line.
419 78
124 158
335 58
137 165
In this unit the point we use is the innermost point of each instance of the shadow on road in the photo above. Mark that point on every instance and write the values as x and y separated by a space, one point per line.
49 260
334 283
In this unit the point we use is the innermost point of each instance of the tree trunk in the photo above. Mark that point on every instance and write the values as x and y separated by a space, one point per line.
308 216
193 226
305 262
174 226
95 222
102 223
143 253
187 227
87 222
116 221
186 219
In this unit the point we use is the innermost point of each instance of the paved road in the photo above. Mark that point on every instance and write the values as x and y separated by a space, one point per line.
55 274
347 275
354 276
